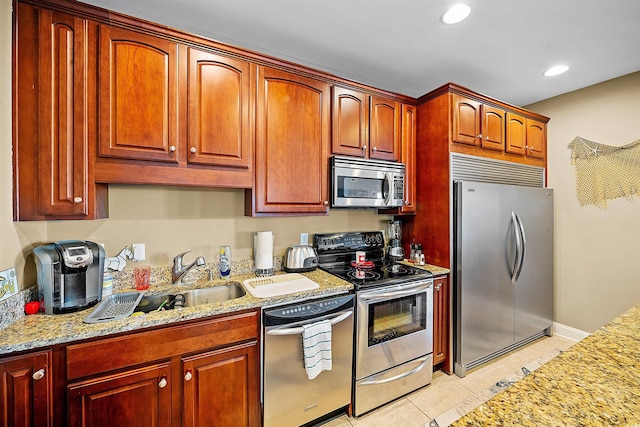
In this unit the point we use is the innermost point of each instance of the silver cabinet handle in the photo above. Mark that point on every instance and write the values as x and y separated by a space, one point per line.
77 200
193 150
38 375
424 360
295 331
162 383
172 148
188 376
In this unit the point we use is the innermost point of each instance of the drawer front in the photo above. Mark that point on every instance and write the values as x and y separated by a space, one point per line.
103 355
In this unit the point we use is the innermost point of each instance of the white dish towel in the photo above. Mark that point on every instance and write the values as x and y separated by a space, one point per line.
316 345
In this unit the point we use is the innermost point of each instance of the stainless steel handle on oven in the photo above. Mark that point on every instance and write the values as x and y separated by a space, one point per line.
368 296
299 330
389 178
425 361
521 247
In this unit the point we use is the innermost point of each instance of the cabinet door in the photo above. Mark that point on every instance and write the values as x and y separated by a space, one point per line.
466 120
221 388
350 122
292 140
138 397
384 129
440 319
138 97
218 97
536 139
25 390
516 134
492 128
409 158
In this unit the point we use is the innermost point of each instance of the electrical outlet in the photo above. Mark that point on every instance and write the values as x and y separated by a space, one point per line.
304 238
138 251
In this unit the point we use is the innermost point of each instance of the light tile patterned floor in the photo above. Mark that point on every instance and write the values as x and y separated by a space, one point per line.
445 392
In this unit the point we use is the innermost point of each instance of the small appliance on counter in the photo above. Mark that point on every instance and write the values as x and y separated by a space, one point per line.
395 252
69 275
300 258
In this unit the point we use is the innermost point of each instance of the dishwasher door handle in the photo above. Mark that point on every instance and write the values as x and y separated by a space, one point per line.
300 329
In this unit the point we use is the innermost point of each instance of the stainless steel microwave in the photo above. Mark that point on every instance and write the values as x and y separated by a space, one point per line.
366 183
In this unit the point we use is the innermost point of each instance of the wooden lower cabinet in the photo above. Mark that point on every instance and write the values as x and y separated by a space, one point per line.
202 373
219 388
25 390
138 397
441 322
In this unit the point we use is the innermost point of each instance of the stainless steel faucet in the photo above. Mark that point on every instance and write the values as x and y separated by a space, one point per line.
179 270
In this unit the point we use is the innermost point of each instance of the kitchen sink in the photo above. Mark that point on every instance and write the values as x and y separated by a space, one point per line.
192 298
213 294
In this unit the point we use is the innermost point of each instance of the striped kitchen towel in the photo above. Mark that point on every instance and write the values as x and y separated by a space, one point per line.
316 343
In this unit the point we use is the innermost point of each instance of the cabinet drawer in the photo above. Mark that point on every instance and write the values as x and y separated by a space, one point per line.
90 358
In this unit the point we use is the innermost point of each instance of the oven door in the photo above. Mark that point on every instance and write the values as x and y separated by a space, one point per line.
394 326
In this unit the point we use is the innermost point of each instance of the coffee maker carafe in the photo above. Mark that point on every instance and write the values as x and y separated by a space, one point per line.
395 252
69 275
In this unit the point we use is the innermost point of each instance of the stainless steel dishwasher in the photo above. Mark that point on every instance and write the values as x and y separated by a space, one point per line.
289 397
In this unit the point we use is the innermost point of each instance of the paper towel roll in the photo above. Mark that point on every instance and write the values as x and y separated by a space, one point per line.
263 250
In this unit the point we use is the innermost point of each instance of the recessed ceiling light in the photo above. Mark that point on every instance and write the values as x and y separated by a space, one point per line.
554 71
456 13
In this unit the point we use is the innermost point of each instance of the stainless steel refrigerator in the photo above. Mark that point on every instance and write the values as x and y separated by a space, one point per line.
503 269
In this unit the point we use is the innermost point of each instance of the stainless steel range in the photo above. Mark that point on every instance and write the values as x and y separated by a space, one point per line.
394 313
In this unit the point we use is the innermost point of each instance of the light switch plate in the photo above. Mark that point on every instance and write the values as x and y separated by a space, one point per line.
138 250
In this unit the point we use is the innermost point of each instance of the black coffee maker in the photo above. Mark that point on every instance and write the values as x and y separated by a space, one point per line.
69 275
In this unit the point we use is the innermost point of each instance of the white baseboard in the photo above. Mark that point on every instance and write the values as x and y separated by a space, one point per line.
569 332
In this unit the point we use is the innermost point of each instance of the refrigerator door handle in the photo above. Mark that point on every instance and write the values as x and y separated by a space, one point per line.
518 257
523 243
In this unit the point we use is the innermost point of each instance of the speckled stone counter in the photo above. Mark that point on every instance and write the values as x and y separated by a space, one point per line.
596 382
36 331
434 269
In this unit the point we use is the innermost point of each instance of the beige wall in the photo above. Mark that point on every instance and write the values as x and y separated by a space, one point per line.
597 252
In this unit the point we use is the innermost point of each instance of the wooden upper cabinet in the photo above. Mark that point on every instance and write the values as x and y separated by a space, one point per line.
384 129
536 139
409 132
493 128
350 122
466 120
54 141
292 143
516 134
138 98
25 389
219 105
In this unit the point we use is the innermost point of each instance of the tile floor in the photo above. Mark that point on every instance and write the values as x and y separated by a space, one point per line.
446 391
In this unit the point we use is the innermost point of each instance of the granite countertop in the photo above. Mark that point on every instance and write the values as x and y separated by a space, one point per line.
41 330
434 269
596 382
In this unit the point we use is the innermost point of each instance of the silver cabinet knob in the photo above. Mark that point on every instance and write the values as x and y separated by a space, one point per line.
193 150
374 149
486 138
364 147
172 148
325 202
438 286
162 383
77 200
188 376
38 375
406 203
480 136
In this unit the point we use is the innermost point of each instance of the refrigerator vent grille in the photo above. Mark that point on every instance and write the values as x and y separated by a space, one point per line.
472 168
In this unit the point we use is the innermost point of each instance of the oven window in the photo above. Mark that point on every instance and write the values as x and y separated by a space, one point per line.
360 188
397 317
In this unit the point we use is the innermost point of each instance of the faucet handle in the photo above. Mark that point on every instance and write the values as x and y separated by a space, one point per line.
200 261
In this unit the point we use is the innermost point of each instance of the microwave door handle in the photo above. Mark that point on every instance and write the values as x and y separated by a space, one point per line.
388 178
299 330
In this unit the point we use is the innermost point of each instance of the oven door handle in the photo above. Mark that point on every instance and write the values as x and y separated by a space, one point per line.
368 296
299 330
425 361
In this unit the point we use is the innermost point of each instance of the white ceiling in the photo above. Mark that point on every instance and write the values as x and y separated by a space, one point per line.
501 50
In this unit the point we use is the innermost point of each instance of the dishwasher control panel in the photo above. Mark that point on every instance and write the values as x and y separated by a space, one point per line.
309 308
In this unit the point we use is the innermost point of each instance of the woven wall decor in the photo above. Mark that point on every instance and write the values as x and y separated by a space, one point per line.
605 172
